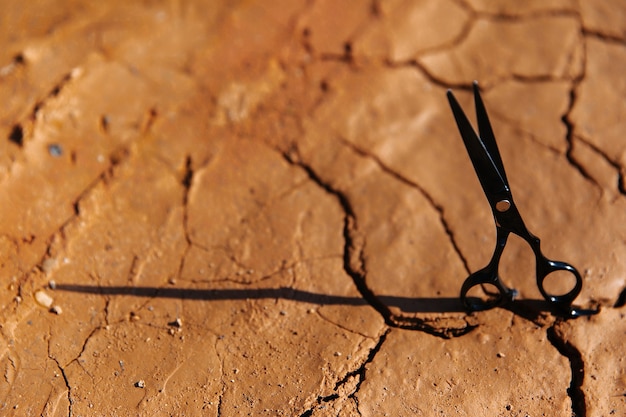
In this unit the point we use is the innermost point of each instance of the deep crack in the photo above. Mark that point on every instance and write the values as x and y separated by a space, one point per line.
353 254
621 187
575 392
359 374
569 136
349 224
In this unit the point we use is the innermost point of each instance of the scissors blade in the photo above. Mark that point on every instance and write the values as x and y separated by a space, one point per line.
486 169
485 132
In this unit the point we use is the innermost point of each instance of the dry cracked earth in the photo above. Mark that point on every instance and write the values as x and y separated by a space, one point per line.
226 208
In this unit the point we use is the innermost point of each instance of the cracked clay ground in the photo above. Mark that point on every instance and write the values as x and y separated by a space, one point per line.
253 208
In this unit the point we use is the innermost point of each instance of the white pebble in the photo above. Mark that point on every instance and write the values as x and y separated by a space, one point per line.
43 299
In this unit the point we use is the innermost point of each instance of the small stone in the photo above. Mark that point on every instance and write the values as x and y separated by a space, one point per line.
500 355
52 284
140 384
337 353
283 313
55 150
43 299
56 310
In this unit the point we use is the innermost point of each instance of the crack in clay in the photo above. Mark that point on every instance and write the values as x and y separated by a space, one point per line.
349 246
344 328
353 253
621 187
569 127
186 182
569 351
223 391
358 374
504 16
66 380
605 37
53 93
569 124
431 200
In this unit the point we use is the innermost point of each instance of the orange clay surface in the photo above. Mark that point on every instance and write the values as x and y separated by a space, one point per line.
264 208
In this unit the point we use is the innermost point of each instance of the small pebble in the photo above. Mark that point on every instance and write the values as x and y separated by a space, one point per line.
55 150
140 384
43 299
52 284
56 310
283 313
500 355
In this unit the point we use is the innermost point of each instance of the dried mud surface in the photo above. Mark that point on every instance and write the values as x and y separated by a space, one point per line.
264 208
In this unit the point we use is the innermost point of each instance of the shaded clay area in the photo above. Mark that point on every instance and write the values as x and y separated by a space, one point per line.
219 208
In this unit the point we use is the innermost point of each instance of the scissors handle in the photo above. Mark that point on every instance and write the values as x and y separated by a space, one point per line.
487 278
546 268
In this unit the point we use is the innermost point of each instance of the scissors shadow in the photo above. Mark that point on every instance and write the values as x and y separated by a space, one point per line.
405 304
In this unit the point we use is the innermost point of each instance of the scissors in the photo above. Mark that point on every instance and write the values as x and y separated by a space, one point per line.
484 154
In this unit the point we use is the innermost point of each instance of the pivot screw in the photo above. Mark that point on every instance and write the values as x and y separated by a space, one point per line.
503 205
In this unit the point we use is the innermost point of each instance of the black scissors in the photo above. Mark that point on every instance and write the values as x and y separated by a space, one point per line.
483 151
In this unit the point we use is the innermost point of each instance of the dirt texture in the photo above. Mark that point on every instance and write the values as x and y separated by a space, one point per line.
233 208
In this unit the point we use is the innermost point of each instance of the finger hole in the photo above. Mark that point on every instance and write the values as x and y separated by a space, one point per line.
559 283
483 296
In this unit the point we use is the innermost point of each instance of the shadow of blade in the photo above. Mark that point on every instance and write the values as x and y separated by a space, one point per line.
406 304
